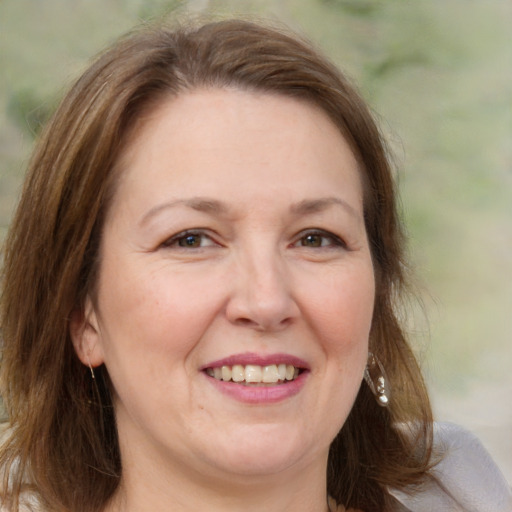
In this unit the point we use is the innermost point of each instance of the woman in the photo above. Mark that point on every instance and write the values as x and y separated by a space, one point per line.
205 263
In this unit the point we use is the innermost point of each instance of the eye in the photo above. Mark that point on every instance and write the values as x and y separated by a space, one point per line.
319 239
189 240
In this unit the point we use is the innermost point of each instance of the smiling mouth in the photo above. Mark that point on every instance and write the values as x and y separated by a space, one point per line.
255 375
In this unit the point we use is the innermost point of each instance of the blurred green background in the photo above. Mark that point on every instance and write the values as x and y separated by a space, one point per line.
438 73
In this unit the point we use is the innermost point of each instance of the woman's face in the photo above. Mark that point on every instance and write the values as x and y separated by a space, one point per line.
234 257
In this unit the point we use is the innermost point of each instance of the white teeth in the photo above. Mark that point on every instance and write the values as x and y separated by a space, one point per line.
238 373
270 373
226 373
255 374
252 373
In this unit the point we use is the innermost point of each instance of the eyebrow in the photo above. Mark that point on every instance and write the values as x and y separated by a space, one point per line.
218 208
309 206
199 204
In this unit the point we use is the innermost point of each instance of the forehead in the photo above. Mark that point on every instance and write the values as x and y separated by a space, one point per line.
203 136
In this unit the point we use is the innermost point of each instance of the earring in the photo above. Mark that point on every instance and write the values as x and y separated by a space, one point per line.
377 380
90 368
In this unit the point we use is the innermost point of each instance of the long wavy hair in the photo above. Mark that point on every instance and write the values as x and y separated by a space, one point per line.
62 440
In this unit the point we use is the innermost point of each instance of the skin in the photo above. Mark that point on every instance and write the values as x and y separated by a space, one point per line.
278 262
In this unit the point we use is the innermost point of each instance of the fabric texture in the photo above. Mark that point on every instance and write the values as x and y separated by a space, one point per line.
466 479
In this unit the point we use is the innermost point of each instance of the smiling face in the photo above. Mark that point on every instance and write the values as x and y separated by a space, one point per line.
236 287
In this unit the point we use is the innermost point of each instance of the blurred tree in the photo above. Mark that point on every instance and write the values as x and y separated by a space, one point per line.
28 110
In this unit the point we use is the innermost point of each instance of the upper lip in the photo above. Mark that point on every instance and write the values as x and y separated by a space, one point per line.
259 360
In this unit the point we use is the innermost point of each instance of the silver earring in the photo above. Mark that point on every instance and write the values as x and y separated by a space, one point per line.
90 367
377 380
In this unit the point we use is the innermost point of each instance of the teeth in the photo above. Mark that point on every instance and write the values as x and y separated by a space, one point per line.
255 374
270 374
225 373
237 373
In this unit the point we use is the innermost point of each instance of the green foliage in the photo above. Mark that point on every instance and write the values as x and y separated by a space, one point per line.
356 7
28 111
156 8
390 64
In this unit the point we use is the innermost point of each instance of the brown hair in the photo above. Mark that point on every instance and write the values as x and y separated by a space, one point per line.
62 437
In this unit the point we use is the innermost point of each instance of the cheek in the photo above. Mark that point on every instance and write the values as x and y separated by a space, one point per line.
341 309
340 314
148 315
150 326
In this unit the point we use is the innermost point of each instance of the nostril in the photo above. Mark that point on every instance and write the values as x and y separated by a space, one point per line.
263 324
261 306
246 322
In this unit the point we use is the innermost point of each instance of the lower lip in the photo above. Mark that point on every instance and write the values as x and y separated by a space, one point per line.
260 394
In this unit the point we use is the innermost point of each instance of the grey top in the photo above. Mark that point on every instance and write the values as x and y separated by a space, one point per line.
466 479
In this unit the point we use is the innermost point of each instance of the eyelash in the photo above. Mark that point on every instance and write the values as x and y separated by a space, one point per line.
180 240
334 241
175 240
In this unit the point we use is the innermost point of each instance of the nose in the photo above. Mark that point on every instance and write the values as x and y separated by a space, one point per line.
261 296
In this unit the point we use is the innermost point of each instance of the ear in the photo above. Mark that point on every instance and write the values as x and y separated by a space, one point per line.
85 335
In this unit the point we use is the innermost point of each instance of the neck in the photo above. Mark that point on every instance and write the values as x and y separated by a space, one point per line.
142 489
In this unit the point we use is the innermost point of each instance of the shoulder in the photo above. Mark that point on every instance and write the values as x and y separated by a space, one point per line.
465 480
28 503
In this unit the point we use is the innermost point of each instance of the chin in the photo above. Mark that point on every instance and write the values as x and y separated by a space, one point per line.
266 449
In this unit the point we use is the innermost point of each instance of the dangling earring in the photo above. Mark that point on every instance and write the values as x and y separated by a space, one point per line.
90 368
377 380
